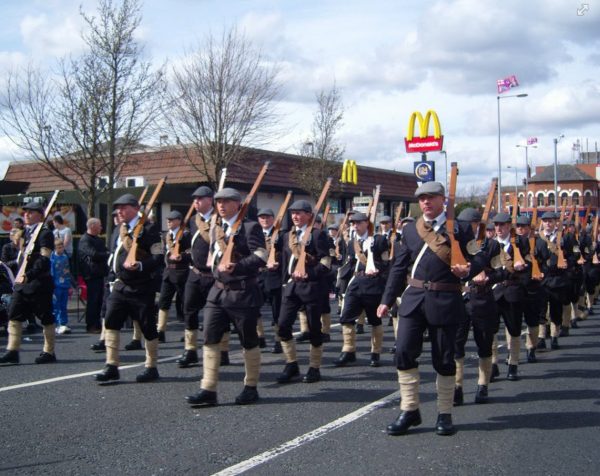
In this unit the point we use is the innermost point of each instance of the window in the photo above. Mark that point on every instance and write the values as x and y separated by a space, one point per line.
564 198
540 199
575 198
551 199
102 181
587 198
134 181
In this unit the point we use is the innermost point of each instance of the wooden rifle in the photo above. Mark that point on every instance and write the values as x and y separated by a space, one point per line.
325 216
595 238
175 252
139 226
562 263
370 267
394 231
142 197
341 233
227 257
513 233
301 264
213 221
20 278
586 217
486 212
456 256
576 222
277 227
536 273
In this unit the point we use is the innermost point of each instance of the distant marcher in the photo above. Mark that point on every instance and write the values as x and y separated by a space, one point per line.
59 268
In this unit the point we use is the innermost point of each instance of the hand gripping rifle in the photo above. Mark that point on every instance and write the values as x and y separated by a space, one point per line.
486 211
456 256
277 226
536 273
301 265
227 257
370 267
20 278
139 227
513 232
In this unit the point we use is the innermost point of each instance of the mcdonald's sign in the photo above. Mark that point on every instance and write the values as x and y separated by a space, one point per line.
349 172
425 142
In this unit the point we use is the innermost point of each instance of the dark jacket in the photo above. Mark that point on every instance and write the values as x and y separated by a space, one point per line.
37 271
93 257
369 285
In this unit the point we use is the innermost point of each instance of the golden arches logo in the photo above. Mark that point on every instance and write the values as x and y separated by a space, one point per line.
349 172
425 142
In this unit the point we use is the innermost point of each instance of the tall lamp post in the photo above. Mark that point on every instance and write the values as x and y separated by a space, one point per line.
499 151
516 182
446 163
526 147
556 141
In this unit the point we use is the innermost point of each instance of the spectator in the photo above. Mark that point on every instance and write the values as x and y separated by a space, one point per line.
59 267
63 232
93 266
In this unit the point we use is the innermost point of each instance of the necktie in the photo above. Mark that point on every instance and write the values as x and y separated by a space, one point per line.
225 226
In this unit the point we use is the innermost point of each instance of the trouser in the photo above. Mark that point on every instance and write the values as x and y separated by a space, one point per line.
27 307
195 295
168 289
290 306
60 300
93 306
139 307
218 318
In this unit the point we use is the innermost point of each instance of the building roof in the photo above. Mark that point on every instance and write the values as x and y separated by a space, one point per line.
173 163
566 173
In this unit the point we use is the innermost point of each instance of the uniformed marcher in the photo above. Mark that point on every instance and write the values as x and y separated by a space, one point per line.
364 290
175 273
33 297
302 291
235 298
200 278
132 293
432 300
385 226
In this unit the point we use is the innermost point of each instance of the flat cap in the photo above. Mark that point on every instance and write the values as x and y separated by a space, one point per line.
203 191
523 220
333 226
127 199
407 220
301 206
385 219
265 211
430 188
469 214
228 194
501 217
33 206
174 215
359 217
549 216
490 226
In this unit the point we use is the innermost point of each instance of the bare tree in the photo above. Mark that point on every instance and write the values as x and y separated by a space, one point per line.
321 152
222 99
82 124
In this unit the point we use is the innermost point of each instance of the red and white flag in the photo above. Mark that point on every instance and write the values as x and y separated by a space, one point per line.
507 83
532 140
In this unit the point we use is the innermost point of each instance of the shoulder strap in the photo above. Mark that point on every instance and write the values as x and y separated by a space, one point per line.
436 242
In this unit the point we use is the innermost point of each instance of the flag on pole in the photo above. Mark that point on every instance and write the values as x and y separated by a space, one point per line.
532 140
507 83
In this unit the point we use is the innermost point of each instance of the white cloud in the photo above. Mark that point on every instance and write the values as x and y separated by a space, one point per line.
52 36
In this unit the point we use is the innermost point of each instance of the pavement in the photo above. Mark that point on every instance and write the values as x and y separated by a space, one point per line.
57 420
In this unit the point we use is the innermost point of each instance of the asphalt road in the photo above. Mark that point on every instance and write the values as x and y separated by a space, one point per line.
57 420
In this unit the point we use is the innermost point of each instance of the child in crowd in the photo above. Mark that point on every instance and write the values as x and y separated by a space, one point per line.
62 283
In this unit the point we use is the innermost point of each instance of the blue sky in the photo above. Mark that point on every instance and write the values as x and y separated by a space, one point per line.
389 58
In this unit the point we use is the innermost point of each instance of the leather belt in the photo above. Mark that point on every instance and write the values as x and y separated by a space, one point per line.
176 266
434 286
509 283
201 273
474 289
235 285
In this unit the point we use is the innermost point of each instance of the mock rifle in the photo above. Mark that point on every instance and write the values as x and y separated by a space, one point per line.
301 264
277 227
456 256
213 221
20 278
394 232
139 226
341 233
142 197
227 257
176 242
370 267
536 273
586 216
562 263
513 233
486 212
595 238
325 215
577 223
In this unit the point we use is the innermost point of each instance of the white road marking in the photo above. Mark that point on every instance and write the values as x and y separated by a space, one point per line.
306 438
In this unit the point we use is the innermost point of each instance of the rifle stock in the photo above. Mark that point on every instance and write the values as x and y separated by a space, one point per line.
513 232
394 232
277 227
536 273
370 267
562 262
175 253
486 212
456 256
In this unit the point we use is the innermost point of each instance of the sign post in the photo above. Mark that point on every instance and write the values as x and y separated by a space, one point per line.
425 169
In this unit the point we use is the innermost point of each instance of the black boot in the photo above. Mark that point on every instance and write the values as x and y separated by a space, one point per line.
360 329
564 332
248 396
326 338
345 358
10 357
134 345
375 360
531 358
513 374
98 346
541 345
150 374
162 338
554 343
204 398
313 375
405 420
458 396
277 348
188 358
224 358
495 373
45 358
482 394
290 371
444 425
110 372
262 343
574 324
392 350
303 337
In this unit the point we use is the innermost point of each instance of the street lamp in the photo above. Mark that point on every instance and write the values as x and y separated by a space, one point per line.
526 147
446 159
499 153
516 182
556 141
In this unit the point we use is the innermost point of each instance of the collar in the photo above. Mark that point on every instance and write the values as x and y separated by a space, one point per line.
133 222
208 214
267 231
